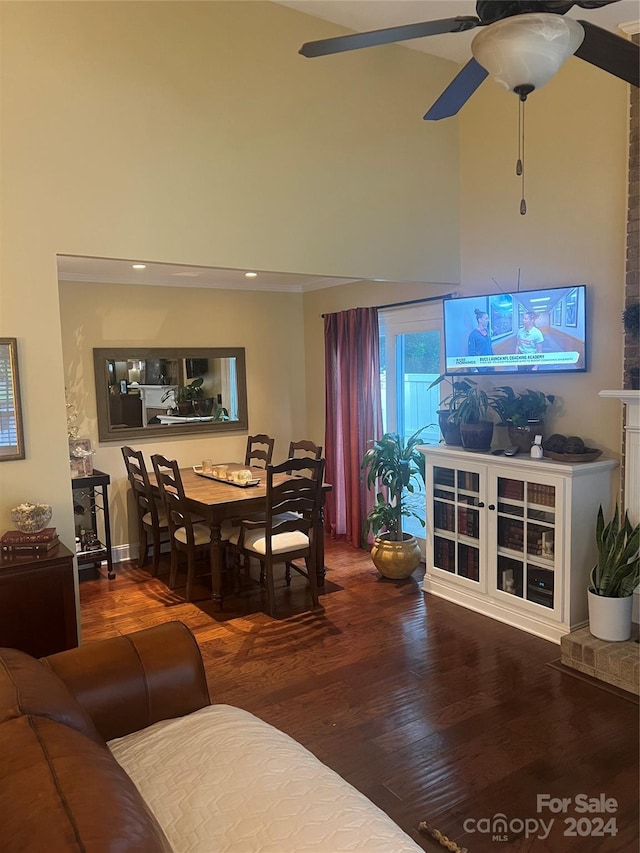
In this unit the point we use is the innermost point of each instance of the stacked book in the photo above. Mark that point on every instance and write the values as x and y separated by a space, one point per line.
25 544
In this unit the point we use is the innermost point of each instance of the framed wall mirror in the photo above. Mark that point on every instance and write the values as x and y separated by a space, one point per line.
147 393
11 432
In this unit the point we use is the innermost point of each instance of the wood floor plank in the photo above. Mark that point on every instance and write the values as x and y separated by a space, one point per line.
434 712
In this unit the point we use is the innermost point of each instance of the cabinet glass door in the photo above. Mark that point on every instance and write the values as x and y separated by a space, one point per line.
526 538
455 522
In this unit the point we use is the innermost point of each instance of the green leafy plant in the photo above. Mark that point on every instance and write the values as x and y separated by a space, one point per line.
394 464
520 408
185 393
472 403
192 391
617 572
452 402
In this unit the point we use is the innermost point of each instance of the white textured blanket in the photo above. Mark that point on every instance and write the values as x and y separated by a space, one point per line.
223 780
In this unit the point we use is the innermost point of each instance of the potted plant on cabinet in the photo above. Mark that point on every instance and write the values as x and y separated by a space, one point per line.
393 464
472 405
449 426
522 413
614 577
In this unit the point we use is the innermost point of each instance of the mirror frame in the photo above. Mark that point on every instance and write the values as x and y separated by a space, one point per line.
106 432
13 397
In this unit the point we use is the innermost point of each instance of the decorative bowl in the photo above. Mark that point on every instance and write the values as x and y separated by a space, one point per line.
31 518
590 455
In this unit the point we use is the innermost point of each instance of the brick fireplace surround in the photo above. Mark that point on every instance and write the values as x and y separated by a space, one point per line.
618 664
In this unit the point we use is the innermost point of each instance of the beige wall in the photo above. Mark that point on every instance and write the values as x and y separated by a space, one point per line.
574 230
195 133
268 325
573 233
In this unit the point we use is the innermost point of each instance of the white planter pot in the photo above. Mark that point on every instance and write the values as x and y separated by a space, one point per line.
610 618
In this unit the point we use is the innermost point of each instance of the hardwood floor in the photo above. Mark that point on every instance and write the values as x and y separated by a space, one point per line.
434 712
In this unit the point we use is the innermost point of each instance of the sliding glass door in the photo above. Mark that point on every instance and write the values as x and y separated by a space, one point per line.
410 359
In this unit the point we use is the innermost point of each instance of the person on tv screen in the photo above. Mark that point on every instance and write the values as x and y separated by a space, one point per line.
529 340
480 340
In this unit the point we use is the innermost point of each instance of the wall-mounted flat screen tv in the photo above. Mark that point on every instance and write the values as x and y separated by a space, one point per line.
541 331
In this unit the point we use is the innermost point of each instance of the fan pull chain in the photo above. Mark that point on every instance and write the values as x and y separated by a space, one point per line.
523 203
519 163
521 92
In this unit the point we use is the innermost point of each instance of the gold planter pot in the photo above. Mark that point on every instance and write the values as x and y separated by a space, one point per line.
396 560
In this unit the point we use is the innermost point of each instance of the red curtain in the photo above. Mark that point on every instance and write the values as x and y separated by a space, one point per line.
353 416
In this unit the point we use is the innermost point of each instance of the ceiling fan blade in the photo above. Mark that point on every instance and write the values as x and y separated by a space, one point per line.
458 91
610 52
323 47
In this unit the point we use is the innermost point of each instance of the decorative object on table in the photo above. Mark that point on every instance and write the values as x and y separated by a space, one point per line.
394 465
536 448
80 457
614 577
89 541
233 475
523 413
31 518
16 542
561 448
73 430
12 447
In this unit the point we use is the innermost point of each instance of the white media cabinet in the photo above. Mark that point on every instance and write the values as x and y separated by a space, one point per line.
514 537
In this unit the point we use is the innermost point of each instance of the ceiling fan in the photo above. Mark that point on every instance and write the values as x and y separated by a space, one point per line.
525 42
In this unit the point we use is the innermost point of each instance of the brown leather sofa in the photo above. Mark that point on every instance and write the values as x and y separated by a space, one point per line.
115 747
60 787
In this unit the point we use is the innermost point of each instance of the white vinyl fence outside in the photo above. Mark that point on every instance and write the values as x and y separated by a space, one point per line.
420 410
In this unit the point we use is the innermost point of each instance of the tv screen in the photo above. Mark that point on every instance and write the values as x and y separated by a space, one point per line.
541 331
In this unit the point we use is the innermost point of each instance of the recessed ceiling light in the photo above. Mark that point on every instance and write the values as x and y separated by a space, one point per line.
251 275
139 266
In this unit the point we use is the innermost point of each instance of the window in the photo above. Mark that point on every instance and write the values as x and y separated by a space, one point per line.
11 438
411 358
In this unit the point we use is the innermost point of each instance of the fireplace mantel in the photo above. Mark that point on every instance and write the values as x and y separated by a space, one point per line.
631 400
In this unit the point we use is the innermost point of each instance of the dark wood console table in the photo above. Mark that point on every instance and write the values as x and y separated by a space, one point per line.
38 602
91 497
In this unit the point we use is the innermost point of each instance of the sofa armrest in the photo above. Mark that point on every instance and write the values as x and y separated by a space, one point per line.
127 683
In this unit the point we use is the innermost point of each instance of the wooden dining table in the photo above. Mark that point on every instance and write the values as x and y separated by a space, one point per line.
216 501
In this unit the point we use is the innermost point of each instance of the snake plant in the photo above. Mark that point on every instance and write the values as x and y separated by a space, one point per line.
617 572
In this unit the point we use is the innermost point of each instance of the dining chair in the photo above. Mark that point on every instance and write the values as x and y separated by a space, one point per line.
287 530
188 535
152 518
303 449
259 450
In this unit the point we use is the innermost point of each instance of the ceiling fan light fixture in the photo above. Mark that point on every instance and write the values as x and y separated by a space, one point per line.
527 50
